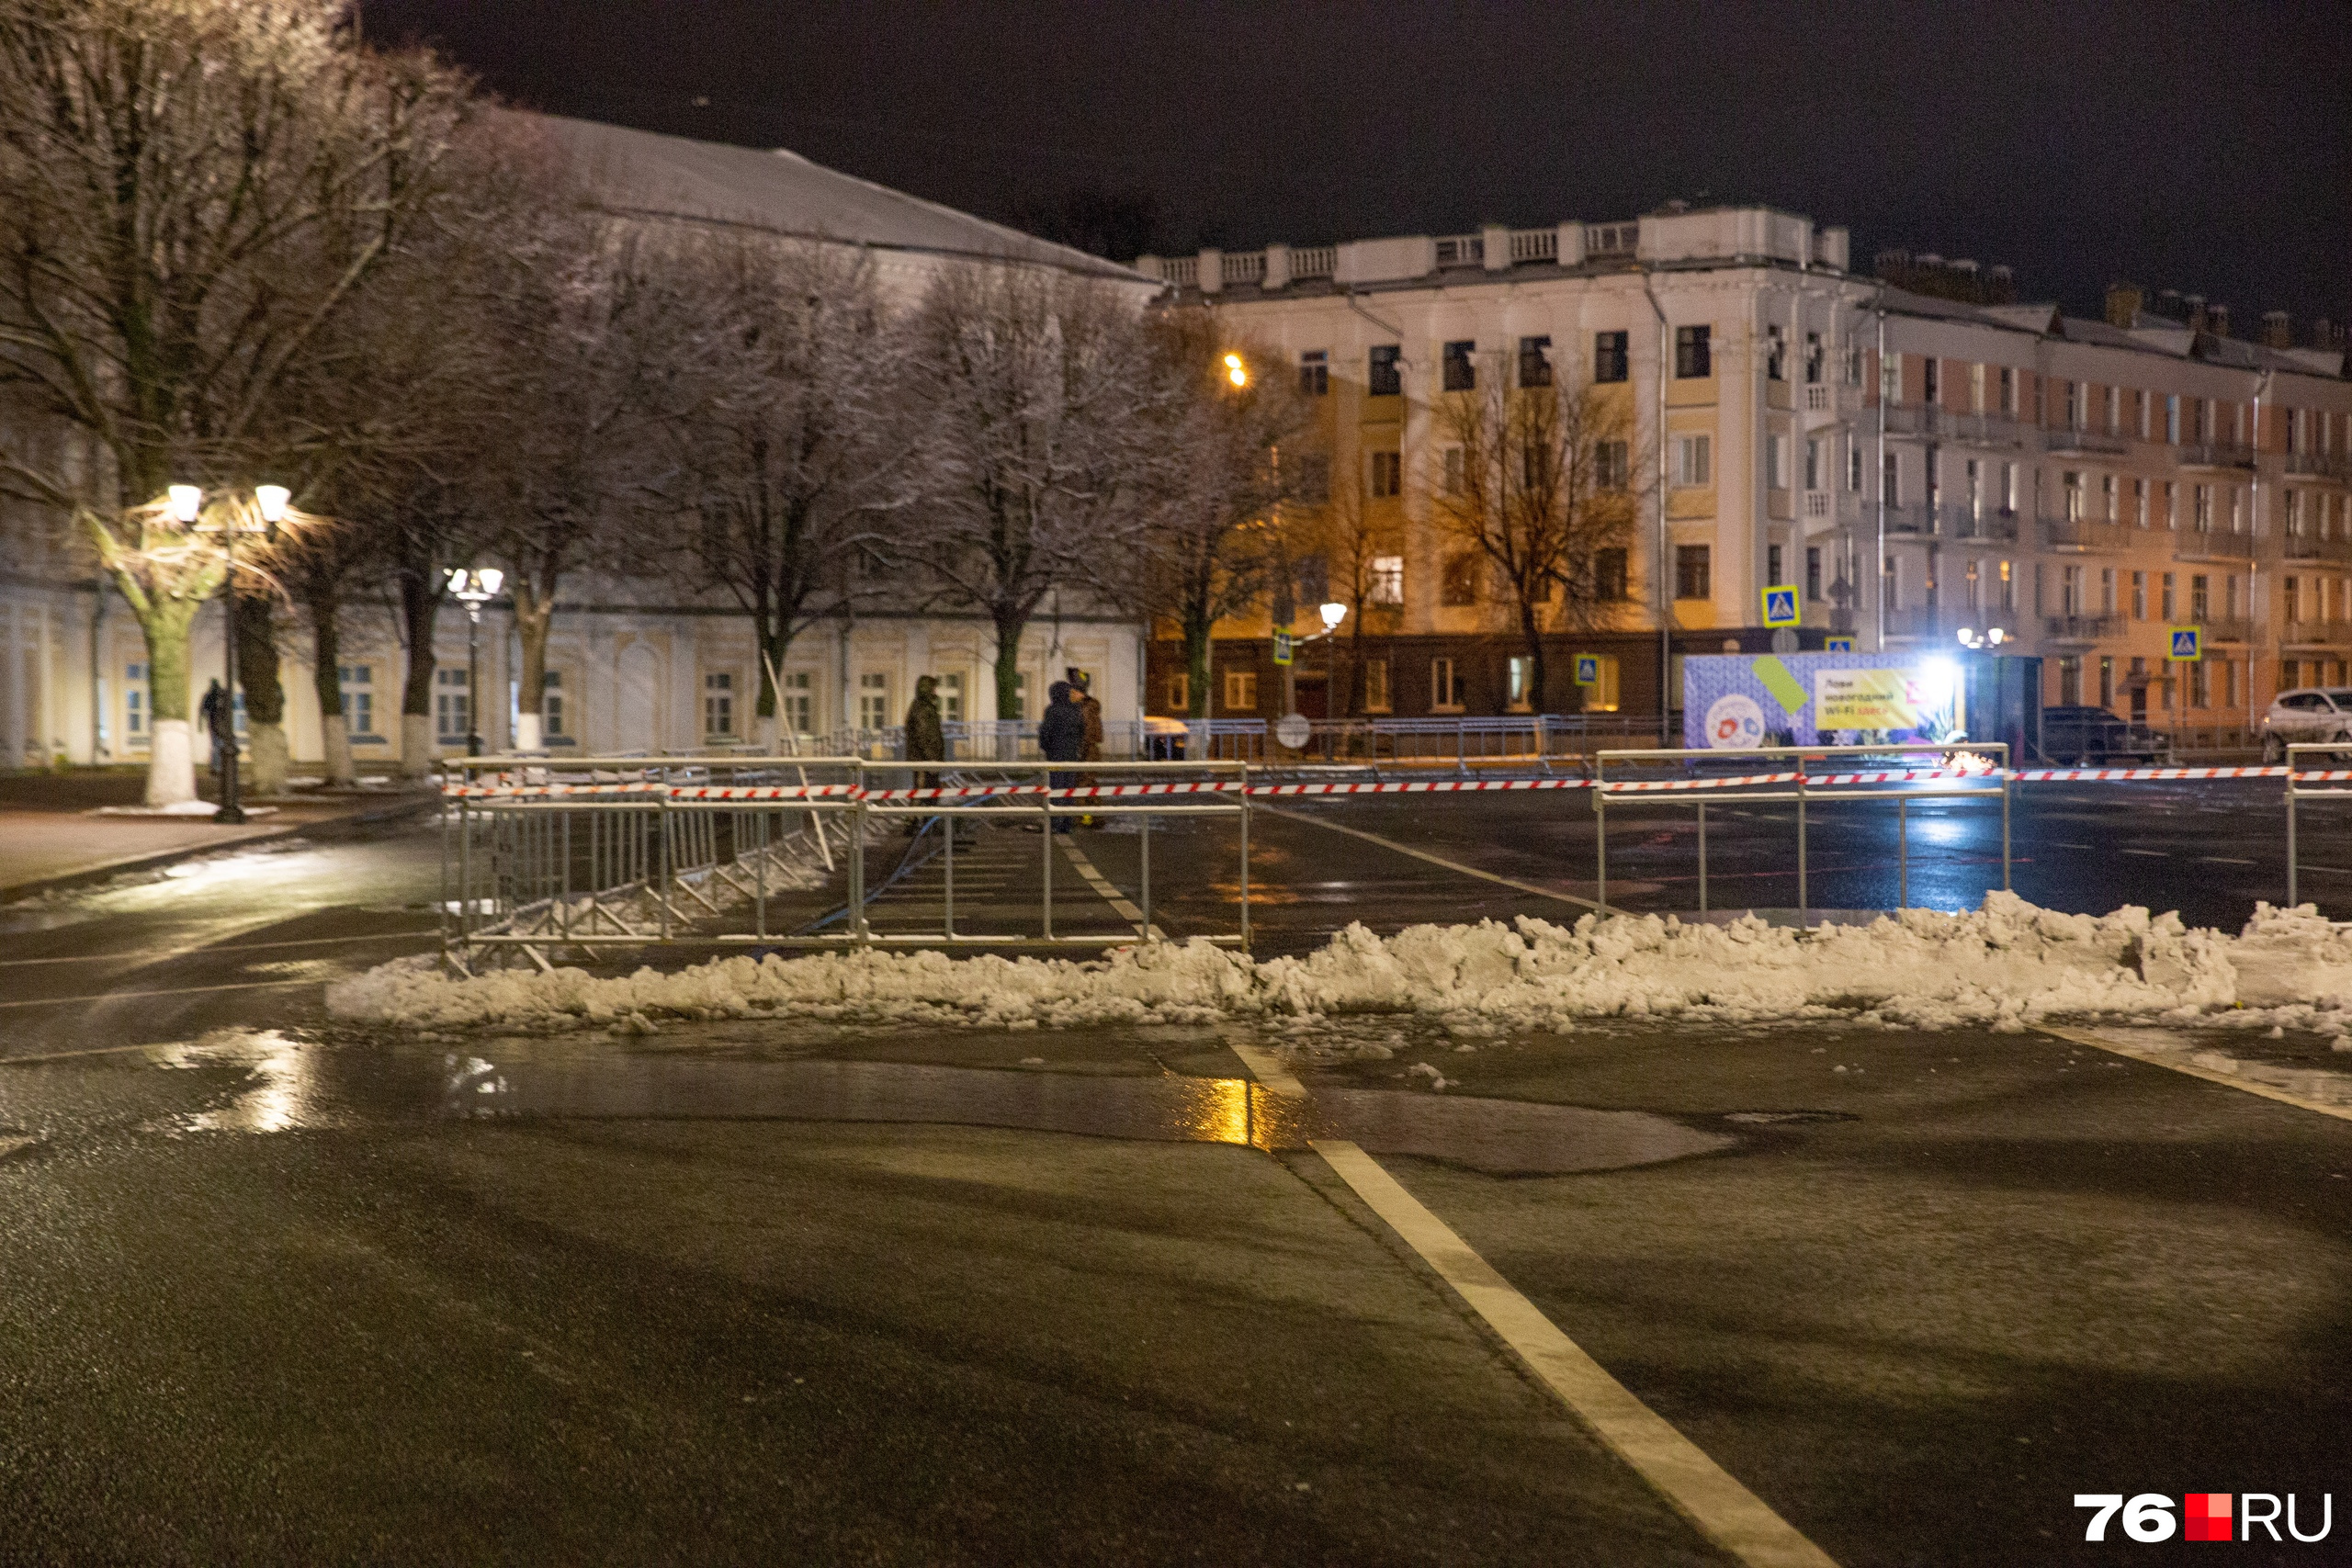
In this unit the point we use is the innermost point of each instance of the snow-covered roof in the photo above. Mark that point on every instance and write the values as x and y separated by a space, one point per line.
642 173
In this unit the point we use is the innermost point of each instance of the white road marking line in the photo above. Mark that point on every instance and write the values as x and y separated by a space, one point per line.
163 955
2152 854
1268 1069
2059 846
91 1050
2224 860
1425 855
174 991
2165 1059
1698 1488
1109 894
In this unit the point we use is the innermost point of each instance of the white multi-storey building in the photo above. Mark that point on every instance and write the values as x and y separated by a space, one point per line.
1914 464
634 664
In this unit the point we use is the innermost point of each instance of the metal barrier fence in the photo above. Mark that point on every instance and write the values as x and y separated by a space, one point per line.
618 853
1534 739
2297 792
1807 788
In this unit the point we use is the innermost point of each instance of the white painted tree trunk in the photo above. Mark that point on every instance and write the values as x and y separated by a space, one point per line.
266 747
171 764
764 733
416 746
335 736
526 732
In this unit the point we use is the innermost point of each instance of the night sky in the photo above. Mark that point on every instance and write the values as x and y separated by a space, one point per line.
2206 148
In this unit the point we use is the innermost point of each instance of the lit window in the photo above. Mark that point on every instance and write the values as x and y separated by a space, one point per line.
1445 686
134 703
800 702
1241 691
357 684
874 700
1388 583
1693 460
452 705
718 704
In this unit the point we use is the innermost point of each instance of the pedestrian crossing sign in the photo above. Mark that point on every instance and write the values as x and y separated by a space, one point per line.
2188 644
1837 645
1282 648
1588 670
1779 606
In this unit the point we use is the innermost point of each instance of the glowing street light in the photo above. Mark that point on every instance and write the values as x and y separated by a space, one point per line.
185 502
473 589
1236 371
1333 613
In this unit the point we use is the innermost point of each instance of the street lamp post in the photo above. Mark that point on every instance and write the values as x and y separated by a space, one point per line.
473 589
187 506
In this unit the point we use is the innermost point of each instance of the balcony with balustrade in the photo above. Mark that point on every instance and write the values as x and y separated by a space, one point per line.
2312 548
2222 629
1960 427
2214 455
2315 633
2190 544
2064 441
2083 533
2336 466
2082 628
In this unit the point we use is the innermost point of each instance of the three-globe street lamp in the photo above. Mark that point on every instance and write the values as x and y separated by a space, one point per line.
269 502
473 589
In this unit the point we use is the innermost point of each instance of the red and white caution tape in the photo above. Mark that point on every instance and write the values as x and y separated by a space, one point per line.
843 792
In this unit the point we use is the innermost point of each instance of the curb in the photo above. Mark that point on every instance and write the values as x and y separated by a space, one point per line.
412 805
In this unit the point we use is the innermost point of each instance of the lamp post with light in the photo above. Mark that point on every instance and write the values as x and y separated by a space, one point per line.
473 589
187 506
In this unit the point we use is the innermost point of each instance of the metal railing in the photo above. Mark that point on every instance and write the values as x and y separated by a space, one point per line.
2215 455
2297 792
630 853
2083 533
2190 544
2082 629
2315 633
2308 547
2321 465
1694 791
1465 742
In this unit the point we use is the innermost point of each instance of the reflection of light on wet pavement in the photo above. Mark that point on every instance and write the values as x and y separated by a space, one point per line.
284 1090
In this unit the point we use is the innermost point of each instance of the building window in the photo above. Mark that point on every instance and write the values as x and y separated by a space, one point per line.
2139 596
2201 685
1445 687
357 684
1890 378
134 703
1854 468
1609 357
874 700
2172 419
1315 372
2106 498
1693 461
2294 514
1459 373
1519 680
1890 482
1452 470
2008 390
2073 481
1976 387
950 696
1180 691
1381 377
1460 583
1241 691
718 704
2294 598
1776 353
2201 598
2201 512
2168 601
800 702
1610 573
1812 359
1692 579
1388 474
1776 461
1772 556
452 704
1612 465
1813 572
2107 591
1693 357
1536 362
1934 381
1388 583
1375 686
2139 503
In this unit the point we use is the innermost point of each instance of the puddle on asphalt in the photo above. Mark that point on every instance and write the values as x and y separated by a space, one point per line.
2256 1060
266 1082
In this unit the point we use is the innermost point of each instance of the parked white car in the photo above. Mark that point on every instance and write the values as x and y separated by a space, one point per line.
2308 713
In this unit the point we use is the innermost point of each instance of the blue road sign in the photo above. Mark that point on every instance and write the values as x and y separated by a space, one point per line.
1588 670
2189 643
1837 645
1779 606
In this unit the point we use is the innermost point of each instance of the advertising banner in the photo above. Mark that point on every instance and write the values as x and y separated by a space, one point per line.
1735 701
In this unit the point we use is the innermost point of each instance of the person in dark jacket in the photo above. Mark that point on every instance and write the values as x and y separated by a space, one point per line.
219 717
1061 736
926 740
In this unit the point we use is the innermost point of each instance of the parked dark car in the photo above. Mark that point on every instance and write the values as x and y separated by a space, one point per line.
2092 737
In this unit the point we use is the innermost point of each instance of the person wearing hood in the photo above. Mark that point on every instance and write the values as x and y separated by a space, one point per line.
926 738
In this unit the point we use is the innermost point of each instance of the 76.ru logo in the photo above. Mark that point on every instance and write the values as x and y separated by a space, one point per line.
2204 1516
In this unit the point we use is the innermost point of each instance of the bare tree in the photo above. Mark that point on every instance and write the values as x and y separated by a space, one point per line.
1354 542
1044 449
773 369
1541 482
1220 540
171 174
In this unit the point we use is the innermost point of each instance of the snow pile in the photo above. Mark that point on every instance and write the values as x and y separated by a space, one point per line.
2006 964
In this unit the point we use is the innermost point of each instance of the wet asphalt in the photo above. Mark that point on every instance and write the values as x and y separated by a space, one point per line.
273 1291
